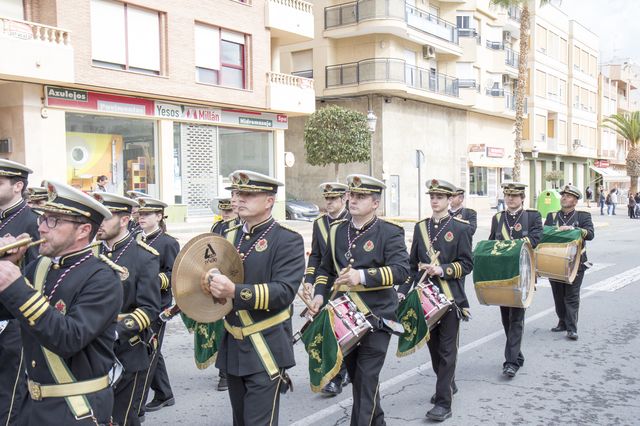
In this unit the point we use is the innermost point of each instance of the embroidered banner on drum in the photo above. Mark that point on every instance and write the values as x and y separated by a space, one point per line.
411 316
325 355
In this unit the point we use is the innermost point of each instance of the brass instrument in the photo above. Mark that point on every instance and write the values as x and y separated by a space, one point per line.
20 243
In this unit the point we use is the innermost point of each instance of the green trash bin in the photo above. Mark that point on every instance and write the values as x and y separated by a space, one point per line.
548 201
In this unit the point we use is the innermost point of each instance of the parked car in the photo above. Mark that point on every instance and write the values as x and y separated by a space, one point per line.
301 210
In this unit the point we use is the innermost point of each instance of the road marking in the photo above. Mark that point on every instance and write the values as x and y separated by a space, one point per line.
544 282
610 284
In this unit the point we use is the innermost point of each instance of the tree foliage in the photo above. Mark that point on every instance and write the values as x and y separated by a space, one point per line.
628 127
336 135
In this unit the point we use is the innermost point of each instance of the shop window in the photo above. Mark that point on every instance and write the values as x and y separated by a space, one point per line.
246 149
125 37
120 148
478 181
220 56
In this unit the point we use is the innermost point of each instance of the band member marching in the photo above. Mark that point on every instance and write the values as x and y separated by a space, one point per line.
139 264
257 346
66 303
133 225
228 209
567 296
457 209
151 221
442 248
366 256
515 223
334 194
16 217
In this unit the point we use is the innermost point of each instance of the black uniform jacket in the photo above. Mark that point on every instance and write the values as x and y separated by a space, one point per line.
168 248
141 299
78 323
319 243
220 226
273 269
577 219
379 250
469 215
525 224
452 239
18 219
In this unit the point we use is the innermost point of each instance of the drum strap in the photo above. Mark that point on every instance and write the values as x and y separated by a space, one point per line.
78 404
323 229
425 237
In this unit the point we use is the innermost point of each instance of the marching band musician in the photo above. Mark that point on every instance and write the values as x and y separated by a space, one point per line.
66 303
450 236
151 220
457 209
334 194
16 217
228 211
367 256
37 196
515 223
133 225
567 296
138 265
256 348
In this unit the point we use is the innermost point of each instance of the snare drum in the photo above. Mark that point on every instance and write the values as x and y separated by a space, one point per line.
558 254
434 303
503 273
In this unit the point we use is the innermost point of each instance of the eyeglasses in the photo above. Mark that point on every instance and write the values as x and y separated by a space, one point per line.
52 221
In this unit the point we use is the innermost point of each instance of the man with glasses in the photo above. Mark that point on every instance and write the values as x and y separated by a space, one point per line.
66 303
139 264
16 217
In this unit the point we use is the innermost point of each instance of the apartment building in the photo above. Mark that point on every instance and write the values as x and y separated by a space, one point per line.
439 78
161 96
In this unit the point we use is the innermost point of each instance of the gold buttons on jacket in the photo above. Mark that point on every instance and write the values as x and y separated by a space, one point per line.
55 266
352 260
109 254
33 363
247 237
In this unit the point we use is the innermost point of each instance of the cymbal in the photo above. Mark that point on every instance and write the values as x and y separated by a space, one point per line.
197 257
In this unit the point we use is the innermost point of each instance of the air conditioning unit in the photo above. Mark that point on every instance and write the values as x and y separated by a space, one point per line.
506 37
428 52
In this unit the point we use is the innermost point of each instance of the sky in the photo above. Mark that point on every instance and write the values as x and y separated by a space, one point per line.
616 22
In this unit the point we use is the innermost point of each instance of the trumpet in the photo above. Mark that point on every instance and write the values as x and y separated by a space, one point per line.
20 243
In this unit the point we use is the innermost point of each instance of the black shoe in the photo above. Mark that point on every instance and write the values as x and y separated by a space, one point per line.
346 379
223 384
439 414
572 335
454 391
559 328
509 370
332 389
156 404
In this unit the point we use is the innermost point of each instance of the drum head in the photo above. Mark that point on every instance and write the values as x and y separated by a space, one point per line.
197 257
527 278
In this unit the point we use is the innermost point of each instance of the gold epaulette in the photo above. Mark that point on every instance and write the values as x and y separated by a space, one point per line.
119 269
392 222
423 220
319 217
337 222
95 247
148 248
459 219
287 227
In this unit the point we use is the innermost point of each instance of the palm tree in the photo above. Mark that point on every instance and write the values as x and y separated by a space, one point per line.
521 87
628 127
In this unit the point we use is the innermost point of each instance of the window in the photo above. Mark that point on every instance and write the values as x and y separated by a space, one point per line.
552 45
463 21
478 181
576 57
584 61
562 132
220 56
246 149
563 50
541 128
562 89
541 39
302 63
125 37
593 63
541 84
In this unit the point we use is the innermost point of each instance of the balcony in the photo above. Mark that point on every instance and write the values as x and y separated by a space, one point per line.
291 94
290 21
394 17
35 52
392 71
511 58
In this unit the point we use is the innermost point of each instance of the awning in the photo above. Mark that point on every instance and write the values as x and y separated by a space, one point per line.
611 175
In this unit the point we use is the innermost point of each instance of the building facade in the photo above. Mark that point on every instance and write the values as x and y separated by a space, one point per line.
163 97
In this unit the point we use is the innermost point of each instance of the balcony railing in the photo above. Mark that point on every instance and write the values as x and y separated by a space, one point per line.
362 10
289 80
469 32
511 58
494 45
514 13
300 5
510 102
390 71
497 92
25 30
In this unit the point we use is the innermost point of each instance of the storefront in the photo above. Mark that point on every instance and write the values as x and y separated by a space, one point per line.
488 167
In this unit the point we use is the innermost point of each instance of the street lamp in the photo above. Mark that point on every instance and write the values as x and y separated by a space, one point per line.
372 120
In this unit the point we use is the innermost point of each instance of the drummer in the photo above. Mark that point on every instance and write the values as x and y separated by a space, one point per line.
567 296
273 258
371 255
513 224
451 237
457 209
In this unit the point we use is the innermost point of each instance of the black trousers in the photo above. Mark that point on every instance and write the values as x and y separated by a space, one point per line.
513 324
567 300
13 383
255 399
128 397
443 347
364 364
157 378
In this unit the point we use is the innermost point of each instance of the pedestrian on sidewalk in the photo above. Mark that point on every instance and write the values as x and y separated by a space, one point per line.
588 193
614 201
632 207
601 200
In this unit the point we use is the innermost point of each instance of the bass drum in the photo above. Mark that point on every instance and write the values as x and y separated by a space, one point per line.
558 254
503 273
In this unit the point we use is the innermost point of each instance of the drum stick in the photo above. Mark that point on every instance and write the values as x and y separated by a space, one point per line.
434 262
304 299
336 287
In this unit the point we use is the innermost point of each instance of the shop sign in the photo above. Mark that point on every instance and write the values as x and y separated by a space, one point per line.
93 101
249 121
477 148
601 163
495 152
68 94
209 115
